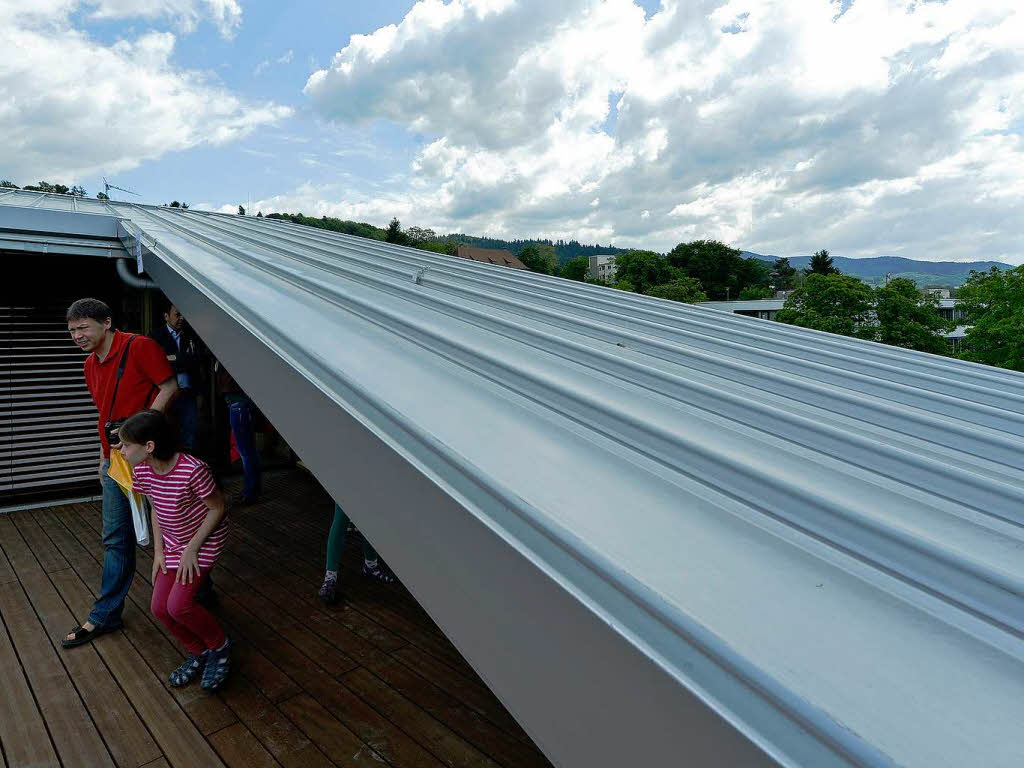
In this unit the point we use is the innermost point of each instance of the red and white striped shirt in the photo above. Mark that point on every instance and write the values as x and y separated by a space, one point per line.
177 499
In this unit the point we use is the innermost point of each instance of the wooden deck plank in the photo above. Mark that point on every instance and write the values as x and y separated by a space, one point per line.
389 741
119 724
356 623
176 735
310 567
282 738
397 626
445 745
249 547
160 650
466 723
39 544
265 675
72 731
371 681
242 623
482 700
124 733
466 690
23 734
337 741
238 748
7 574
289 746
156 646
311 529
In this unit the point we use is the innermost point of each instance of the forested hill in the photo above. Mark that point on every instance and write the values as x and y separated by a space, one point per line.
870 270
565 250
873 270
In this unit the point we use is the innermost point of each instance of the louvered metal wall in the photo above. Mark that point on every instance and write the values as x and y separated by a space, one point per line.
49 449
48 422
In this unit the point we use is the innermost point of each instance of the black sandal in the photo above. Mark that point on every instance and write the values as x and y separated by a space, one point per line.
83 636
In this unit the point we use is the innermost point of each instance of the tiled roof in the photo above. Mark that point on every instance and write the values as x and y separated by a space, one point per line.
497 256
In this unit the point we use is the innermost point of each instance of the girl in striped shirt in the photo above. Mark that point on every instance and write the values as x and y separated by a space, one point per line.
189 533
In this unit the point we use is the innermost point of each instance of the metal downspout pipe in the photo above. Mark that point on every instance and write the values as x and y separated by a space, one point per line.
131 280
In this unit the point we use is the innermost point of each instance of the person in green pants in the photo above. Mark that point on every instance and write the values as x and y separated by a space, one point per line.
373 567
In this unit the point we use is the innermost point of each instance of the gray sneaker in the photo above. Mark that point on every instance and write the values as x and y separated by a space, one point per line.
329 592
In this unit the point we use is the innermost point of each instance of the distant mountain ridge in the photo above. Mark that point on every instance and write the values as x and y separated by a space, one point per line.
874 269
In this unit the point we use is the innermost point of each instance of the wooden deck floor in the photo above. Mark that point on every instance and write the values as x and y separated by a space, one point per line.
372 682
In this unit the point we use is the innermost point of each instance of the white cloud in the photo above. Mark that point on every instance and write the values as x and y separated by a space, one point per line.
73 107
225 14
783 126
285 59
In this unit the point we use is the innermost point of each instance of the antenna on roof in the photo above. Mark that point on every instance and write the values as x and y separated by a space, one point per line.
107 186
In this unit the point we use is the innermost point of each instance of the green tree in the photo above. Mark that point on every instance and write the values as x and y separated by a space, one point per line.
259 214
681 289
102 196
45 186
993 307
834 303
721 270
5 184
77 191
753 292
575 269
908 319
394 232
534 260
550 255
241 210
821 264
623 285
438 246
416 235
783 274
643 270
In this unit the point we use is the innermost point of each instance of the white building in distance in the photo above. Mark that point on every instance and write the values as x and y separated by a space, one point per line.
602 267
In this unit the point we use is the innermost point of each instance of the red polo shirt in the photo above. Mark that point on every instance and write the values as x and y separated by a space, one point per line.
145 369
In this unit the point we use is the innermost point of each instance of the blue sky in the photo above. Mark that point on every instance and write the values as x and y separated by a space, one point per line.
270 57
307 33
868 127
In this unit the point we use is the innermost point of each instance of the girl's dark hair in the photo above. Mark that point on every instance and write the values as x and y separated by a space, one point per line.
151 425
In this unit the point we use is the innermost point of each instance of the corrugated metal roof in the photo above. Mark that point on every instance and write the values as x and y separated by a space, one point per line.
739 541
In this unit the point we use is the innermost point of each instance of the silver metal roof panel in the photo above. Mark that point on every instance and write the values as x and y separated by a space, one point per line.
661 533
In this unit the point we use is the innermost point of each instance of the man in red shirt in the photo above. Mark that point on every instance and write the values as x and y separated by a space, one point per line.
147 381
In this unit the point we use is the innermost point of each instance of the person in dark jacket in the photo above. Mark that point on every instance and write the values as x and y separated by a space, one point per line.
241 415
185 354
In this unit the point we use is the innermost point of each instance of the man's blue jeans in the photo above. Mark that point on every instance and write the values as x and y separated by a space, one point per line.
240 415
118 554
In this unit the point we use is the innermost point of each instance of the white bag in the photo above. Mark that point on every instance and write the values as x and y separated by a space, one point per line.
140 517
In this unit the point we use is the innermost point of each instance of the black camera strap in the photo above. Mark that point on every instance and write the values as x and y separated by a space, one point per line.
120 373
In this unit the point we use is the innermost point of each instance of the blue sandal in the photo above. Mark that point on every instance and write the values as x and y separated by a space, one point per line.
189 669
218 664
